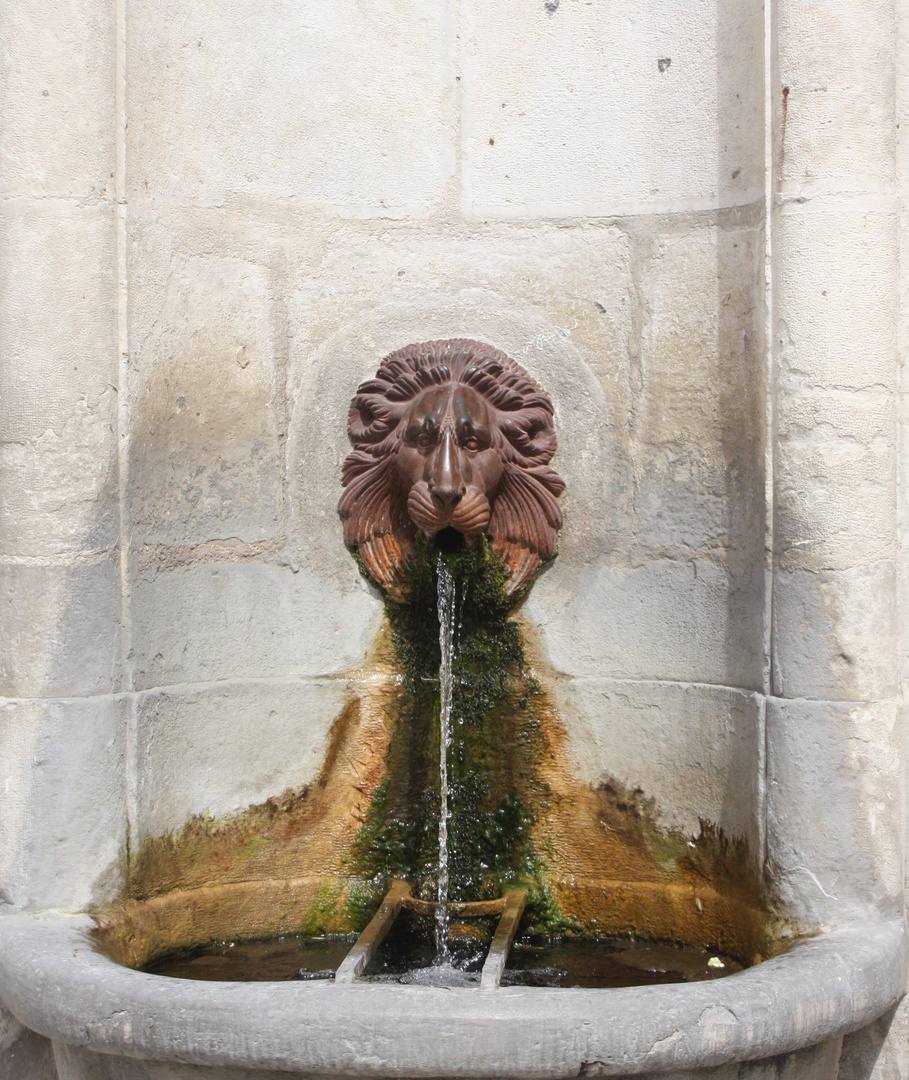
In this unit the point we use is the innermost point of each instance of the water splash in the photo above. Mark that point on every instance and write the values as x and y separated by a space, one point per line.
446 975
447 640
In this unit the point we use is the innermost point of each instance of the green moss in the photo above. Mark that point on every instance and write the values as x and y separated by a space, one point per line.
542 914
322 913
362 903
487 634
389 844
254 847
667 848
494 792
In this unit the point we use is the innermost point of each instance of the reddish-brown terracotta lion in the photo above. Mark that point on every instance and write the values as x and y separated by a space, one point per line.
450 434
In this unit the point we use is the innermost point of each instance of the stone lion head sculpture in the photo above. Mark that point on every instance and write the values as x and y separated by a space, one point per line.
450 434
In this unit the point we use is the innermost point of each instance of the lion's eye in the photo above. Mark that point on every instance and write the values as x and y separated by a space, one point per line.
424 441
471 444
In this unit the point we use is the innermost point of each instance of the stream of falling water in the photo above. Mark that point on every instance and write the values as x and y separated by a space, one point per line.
447 624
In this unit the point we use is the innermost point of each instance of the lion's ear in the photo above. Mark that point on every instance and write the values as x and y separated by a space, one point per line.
376 520
524 521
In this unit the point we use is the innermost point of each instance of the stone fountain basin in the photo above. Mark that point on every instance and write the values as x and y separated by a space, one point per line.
56 982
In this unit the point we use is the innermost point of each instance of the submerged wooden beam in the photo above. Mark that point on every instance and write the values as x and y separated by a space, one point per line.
491 977
472 909
366 945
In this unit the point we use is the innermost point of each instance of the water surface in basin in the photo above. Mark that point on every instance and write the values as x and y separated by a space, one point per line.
611 962
409 958
272 960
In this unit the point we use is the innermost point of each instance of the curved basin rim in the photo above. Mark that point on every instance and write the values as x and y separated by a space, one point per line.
54 980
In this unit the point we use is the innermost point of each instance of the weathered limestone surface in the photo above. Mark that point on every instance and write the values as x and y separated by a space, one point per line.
23 1053
836 634
344 106
60 598
62 732
833 859
214 222
57 101
695 760
837 580
76 1063
246 619
879 1051
63 829
835 583
206 409
185 736
547 90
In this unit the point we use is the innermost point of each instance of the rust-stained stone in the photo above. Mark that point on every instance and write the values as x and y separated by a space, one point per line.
304 833
289 865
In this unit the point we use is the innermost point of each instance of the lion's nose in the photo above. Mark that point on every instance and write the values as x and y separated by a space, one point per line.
446 496
445 482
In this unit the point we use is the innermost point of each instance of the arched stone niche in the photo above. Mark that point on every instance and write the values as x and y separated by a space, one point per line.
721 629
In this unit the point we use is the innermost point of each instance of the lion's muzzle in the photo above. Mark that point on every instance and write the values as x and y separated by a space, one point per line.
468 513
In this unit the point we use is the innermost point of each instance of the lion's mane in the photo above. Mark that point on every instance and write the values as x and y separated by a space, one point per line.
525 514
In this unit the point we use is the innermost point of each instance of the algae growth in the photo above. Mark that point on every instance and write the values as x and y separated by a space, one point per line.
593 857
495 792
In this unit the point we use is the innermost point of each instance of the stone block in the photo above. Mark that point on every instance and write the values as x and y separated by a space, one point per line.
60 490
835 296
695 751
835 477
279 241
547 129
57 98
835 632
346 107
24 1055
835 800
839 128
60 629
578 278
58 313
681 620
62 802
207 414
218 749
234 620
701 339
699 475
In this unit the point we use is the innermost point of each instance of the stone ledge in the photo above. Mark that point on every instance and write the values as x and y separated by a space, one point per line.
56 983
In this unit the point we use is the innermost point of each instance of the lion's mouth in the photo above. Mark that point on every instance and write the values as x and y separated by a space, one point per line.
449 540
468 516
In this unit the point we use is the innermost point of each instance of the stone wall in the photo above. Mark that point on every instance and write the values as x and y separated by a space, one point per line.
217 218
